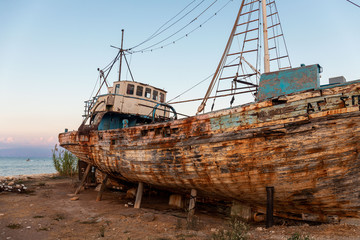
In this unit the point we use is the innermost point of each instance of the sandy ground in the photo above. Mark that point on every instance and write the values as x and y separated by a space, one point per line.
46 211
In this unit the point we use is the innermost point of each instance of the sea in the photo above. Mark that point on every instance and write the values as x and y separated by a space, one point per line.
10 166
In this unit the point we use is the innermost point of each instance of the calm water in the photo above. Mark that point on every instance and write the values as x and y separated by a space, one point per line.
18 166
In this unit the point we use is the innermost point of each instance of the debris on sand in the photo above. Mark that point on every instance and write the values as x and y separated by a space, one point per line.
11 186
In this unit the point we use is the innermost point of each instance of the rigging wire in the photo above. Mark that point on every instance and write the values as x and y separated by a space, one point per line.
192 21
156 33
127 63
282 32
353 3
127 72
109 66
190 88
196 18
246 34
184 36
98 79
258 46
106 68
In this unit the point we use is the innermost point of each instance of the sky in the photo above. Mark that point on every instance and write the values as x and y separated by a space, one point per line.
50 52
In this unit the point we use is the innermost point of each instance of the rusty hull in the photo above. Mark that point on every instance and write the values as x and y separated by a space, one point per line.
305 145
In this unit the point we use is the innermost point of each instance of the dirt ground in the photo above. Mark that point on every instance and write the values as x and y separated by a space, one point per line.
46 211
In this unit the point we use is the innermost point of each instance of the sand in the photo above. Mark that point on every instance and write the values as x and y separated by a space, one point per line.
46 211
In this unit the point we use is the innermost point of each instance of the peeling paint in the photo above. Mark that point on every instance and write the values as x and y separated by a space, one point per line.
312 158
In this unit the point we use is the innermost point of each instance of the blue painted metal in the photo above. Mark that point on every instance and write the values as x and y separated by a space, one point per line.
166 106
108 122
233 120
115 121
275 84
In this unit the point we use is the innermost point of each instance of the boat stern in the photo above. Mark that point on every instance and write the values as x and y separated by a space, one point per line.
77 144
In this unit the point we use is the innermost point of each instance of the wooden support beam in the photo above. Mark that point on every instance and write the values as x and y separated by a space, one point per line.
192 203
139 194
102 187
87 171
269 207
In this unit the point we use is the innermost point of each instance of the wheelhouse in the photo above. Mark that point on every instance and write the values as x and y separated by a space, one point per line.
127 104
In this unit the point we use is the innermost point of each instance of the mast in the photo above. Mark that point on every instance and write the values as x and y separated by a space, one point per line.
121 52
265 35
235 65
222 61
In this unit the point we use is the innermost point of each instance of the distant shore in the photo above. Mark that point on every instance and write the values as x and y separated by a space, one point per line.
28 176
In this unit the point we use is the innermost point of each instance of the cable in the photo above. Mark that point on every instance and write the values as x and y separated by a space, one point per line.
98 79
190 88
155 34
196 18
353 3
184 36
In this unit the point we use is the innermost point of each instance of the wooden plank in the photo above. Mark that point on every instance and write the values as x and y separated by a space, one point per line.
102 188
87 171
139 194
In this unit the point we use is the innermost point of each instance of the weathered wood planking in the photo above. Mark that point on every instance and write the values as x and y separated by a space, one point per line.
306 145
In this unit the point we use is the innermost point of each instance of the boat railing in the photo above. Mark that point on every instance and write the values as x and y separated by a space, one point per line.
166 109
88 106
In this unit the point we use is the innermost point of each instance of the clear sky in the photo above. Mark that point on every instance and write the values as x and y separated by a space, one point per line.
50 52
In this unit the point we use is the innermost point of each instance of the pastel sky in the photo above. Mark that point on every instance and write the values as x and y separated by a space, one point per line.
50 52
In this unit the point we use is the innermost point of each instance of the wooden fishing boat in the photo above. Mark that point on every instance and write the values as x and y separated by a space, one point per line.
297 136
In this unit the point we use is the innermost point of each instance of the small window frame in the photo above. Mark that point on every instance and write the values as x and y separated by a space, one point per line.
155 95
162 97
117 89
130 89
148 93
139 91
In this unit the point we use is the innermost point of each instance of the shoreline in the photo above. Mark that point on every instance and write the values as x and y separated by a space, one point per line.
28 176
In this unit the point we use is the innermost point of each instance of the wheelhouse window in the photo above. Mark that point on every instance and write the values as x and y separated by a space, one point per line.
162 97
130 89
147 92
155 95
117 88
139 91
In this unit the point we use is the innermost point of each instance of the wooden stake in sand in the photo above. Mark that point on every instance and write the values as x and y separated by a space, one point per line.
102 187
139 194
87 171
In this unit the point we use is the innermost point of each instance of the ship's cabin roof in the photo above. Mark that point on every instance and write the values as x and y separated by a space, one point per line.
138 90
